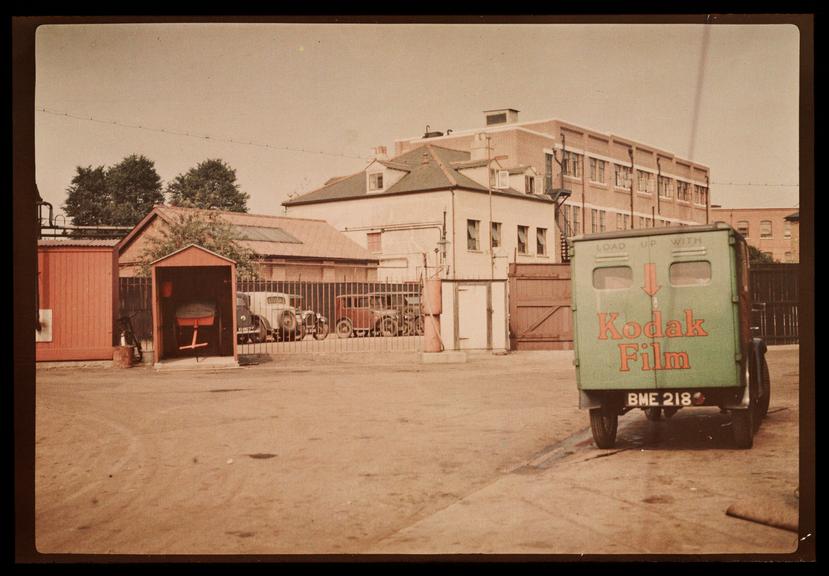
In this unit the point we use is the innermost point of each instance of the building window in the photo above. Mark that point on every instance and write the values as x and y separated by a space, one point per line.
627 221
529 184
700 195
683 191
602 221
375 181
597 170
643 180
502 179
594 220
787 229
666 187
769 254
473 229
572 164
765 229
541 241
622 176
374 242
522 239
576 219
495 235
742 228
641 222
788 256
620 222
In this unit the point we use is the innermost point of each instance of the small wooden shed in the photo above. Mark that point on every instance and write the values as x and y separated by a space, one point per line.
77 293
191 277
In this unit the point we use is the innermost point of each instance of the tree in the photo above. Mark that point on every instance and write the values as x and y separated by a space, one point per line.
118 196
207 230
211 184
756 257
135 187
88 201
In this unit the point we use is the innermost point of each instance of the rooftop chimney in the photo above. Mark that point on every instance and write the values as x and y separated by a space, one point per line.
501 116
478 148
380 153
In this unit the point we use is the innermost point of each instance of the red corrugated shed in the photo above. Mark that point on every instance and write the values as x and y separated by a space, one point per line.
78 300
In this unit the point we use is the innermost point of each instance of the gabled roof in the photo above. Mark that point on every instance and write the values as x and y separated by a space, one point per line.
269 236
194 247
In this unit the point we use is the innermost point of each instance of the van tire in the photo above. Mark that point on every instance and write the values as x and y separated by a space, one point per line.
742 425
763 403
604 427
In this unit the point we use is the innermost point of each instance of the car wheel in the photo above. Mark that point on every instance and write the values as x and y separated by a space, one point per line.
603 426
288 321
322 330
344 328
387 327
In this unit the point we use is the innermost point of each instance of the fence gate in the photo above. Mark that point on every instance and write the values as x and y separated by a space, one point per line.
539 305
774 293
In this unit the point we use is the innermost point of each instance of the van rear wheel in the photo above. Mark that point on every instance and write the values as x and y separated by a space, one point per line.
604 427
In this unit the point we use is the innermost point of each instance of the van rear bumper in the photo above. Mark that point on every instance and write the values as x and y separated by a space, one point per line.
617 400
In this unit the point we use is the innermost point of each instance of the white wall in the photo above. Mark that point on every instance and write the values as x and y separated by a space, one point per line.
402 250
510 212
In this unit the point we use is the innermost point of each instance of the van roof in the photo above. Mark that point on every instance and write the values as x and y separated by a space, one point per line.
635 233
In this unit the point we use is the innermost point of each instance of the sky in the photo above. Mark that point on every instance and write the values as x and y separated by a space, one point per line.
289 106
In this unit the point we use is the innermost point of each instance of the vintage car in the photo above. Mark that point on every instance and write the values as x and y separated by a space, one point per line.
409 310
249 326
365 314
661 322
280 312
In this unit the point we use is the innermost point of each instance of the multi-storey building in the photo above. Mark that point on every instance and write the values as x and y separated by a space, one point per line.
773 231
473 201
615 182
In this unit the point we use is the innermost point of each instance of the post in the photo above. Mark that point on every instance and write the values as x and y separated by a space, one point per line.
632 178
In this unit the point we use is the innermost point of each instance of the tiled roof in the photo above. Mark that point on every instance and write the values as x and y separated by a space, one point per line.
427 167
302 237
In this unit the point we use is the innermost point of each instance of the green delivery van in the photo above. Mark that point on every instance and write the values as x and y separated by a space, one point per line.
661 323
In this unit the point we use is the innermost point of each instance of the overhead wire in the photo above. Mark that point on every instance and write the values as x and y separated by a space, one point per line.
201 136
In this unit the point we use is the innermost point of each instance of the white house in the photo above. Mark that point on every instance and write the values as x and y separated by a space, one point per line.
439 209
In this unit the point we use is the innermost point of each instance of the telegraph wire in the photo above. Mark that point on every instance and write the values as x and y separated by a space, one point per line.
199 136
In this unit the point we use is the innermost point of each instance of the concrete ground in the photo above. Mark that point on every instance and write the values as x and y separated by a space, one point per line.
357 453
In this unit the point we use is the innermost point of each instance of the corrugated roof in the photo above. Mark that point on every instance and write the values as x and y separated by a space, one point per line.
303 237
98 242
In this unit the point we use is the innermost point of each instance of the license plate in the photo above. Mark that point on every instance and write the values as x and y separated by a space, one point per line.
647 399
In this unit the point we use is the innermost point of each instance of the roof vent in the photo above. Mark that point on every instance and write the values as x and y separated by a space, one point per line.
430 134
501 116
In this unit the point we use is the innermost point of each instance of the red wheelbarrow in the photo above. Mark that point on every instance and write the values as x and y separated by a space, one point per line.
195 315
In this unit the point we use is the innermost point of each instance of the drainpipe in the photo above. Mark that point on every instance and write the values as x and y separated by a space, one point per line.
658 180
707 198
632 177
